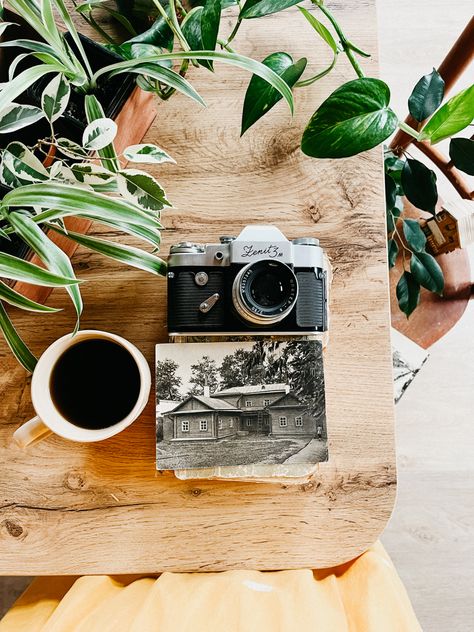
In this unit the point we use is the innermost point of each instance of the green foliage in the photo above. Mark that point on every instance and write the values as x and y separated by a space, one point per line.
414 235
408 293
461 152
259 8
419 185
427 272
427 96
451 118
261 96
354 118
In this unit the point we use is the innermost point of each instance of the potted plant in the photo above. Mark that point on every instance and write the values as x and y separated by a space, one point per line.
94 189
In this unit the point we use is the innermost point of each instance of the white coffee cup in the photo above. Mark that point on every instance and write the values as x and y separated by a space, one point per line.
49 420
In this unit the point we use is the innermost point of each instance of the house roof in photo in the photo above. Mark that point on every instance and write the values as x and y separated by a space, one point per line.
288 399
209 403
253 388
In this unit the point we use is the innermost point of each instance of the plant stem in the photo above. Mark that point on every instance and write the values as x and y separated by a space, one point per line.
173 23
234 31
346 46
409 130
225 45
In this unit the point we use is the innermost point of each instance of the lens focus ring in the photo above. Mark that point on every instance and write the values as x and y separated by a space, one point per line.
264 292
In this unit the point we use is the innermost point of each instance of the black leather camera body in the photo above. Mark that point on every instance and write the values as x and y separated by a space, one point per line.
258 282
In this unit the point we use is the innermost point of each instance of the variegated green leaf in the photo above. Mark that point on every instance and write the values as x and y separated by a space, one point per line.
75 201
11 296
147 153
126 254
16 344
25 79
71 149
91 174
22 162
152 236
20 270
16 116
99 133
142 189
53 257
108 155
55 97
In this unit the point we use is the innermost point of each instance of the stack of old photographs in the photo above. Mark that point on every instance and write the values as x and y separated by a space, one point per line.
247 409
240 391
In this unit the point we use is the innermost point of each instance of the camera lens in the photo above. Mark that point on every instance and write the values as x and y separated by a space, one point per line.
264 292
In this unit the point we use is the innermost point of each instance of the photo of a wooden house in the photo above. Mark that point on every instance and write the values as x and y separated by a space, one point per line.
265 409
240 403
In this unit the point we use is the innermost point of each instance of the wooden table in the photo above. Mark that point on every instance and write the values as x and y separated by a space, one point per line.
70 508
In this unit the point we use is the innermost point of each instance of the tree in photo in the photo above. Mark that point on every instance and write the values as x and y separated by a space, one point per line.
204 373
167 382
234 370
306 374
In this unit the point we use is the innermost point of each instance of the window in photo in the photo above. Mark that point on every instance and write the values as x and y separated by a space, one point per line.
299 422
283 422
185 426
203 425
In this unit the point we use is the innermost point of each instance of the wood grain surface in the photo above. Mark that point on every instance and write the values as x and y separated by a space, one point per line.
70 508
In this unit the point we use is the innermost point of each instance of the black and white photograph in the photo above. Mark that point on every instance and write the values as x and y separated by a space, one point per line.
240 403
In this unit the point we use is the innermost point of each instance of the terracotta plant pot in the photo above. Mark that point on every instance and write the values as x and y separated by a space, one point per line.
131 108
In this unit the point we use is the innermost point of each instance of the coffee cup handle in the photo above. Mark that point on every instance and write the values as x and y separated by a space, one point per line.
31 432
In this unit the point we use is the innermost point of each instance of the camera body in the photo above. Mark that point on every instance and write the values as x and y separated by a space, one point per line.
258 282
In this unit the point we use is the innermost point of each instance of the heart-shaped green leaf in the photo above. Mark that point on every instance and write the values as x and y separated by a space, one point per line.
258 8
408 293
392 252
455 115
427 96
426 271
419 185
354 118
261 96
461 152
159 34
414 235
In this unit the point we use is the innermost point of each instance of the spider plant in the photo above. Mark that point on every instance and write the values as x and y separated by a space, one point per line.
95 187
150 62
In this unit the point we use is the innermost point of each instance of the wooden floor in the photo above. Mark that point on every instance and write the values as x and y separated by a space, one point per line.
431 534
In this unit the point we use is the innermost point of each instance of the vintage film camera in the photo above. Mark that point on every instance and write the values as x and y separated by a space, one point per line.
258 282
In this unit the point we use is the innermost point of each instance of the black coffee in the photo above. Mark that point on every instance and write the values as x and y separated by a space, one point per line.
95 383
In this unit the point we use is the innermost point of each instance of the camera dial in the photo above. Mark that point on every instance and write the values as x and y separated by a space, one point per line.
186 247
264 292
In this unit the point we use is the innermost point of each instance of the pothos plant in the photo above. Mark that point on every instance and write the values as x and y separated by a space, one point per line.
95 187
354 118
53 54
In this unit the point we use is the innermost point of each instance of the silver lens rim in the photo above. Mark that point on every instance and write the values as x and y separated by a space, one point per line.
245 312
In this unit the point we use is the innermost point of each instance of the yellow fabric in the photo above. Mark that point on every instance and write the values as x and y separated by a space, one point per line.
365 595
